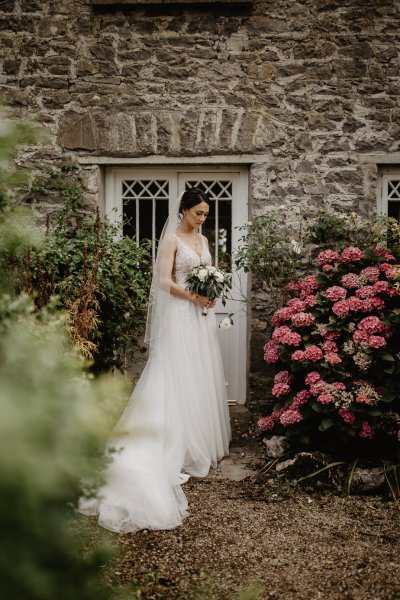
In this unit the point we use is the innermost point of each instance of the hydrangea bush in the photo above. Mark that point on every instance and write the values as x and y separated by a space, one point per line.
336 348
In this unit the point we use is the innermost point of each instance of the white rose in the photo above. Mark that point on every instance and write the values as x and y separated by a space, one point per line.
202 274
226 323
211 269
219 277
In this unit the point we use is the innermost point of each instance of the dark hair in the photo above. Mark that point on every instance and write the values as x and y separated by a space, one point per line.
192 197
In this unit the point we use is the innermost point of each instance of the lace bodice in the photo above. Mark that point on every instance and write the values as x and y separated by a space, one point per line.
186 258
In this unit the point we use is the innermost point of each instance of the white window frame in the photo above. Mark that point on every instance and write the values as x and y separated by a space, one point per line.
386 174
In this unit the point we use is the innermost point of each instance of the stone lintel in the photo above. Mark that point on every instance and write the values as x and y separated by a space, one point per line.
220 159
382 158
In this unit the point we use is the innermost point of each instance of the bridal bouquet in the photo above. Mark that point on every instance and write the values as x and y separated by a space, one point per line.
209 281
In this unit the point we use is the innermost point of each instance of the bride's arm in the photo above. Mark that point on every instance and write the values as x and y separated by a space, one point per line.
166 264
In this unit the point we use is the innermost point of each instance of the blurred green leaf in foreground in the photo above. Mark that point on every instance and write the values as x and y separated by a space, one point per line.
53 426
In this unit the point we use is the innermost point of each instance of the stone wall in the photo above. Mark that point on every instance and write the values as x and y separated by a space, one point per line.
303 86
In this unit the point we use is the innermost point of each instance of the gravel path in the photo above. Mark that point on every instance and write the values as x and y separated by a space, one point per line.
243 542
299 547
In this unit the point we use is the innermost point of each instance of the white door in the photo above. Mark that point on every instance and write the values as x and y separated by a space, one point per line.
144 197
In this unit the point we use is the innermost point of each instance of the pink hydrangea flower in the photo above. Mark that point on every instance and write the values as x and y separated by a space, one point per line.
347 416
310 300
280 389
327 268
350 280
367 291
330 346
332 358
328 257
313 353
293 287
318 388
325 399
271 352
381 286
285 335
266 423
335 293
363 399
282 314
376 341
351 254
290 416
338 385
302 319
388 270
340 308
308 285
283 377
354 303
371 325
301 398
366 431
296 304
312 377
332 335
298 355
384 253
377 303
360 336
371 274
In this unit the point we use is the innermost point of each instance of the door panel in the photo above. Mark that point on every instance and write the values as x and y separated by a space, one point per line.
141 199
224 192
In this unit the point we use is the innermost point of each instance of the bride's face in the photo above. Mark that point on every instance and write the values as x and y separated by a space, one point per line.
196 215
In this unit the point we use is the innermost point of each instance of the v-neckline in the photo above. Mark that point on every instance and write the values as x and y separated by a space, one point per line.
190 248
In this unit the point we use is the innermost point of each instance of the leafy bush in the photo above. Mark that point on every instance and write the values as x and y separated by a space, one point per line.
53 426
103 280
51 435
336 345
267 250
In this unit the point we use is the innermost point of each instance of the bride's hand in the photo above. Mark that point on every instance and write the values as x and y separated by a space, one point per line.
204 301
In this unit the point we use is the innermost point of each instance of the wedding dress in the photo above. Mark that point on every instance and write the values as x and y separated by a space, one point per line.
176 423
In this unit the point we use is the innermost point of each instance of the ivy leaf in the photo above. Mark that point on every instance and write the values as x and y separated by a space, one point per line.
388 357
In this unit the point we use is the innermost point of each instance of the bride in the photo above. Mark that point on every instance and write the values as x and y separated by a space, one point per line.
176 423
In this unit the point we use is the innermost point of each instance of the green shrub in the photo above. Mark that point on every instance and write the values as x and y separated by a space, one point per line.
100 278
52 431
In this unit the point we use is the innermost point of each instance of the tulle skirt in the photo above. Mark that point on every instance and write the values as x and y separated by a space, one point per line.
176 424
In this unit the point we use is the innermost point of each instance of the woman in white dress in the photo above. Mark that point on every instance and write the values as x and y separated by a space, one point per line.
176 423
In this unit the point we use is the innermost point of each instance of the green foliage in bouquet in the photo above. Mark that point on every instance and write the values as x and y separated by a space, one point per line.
207 280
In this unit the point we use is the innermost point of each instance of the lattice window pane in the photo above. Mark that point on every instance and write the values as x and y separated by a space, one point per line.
393 198
145 208
394 189
218 226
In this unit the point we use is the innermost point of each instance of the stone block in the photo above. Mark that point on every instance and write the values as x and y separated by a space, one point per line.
11 66
366 481
7 5
276 446
51 27
267 70
77 131
146 135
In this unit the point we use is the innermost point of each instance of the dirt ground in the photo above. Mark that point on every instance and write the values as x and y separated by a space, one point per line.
241 542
